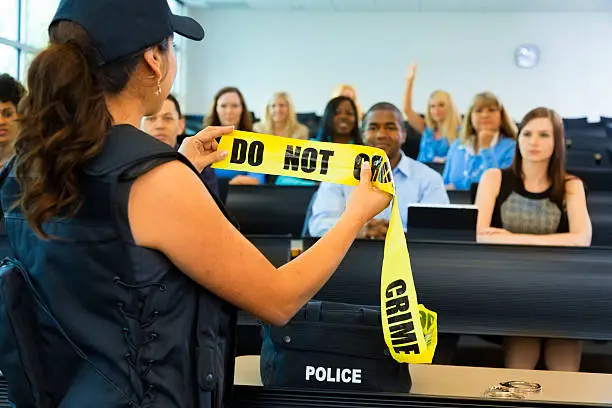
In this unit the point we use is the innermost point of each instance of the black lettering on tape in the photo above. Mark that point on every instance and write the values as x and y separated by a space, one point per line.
399 318
403 333
397 305
399 286
430 321
408 349
423 319
376 164
292 158
325 156
256 151
357 167
381 171
239 151
309 160
384 174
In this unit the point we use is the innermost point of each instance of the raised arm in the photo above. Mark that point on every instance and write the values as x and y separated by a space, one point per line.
414 119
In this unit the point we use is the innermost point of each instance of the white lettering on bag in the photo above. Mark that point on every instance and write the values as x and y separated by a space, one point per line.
328 374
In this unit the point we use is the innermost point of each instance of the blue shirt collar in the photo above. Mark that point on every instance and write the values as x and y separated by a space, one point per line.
404 165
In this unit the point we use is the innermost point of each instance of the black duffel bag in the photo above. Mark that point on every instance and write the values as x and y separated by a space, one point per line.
334 346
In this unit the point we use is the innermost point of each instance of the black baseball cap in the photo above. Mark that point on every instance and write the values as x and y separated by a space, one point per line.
121 28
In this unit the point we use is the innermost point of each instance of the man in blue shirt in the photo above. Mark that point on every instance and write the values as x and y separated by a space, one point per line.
383 127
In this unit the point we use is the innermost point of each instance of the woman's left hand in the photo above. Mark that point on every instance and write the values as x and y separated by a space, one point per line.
493 231
201 148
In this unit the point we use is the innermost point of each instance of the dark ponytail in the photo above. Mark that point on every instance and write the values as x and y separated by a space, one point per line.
64 121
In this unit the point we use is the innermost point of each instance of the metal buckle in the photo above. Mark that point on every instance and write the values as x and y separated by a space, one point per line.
523 386
512 390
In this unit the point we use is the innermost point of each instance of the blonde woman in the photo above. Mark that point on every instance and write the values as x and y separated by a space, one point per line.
280 119
487 140
440 127
349 92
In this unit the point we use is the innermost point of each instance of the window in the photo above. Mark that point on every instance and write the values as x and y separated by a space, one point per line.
24 32
8 60
26 60
178 88
9 20
35 19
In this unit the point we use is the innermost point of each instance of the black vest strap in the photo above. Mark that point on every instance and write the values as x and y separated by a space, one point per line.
128 152
126 147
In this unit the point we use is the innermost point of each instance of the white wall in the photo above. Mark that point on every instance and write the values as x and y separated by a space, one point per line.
308 53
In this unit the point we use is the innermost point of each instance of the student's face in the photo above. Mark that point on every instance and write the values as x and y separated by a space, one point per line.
8 122
537 141
486 118
384 129
165 125
344 120
279 110
229 109
437 108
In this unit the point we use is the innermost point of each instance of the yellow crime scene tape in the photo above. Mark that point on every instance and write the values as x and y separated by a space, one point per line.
410 330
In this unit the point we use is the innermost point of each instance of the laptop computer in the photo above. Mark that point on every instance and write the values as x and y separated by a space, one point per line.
442 222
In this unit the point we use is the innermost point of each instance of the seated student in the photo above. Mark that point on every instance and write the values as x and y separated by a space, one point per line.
338 125
486 141
280 119
11 92
415 182
230 109
350 92
535 202
441 125
167 125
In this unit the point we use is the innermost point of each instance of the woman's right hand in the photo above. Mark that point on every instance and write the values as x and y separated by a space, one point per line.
412 69
367 201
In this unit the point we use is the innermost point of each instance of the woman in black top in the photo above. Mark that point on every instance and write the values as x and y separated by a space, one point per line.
535 202
143 292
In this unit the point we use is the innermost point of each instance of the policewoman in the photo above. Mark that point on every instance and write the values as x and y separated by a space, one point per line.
135 260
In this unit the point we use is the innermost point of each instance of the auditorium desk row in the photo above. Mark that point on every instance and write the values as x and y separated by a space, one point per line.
279 210
499 290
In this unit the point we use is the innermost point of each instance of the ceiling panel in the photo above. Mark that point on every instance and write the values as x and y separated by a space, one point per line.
354 5
430 6
399 5
310 5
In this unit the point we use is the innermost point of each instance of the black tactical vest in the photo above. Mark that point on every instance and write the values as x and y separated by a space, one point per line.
116 325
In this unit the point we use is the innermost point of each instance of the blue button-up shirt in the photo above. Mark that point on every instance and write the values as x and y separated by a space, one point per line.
414 183
430 147
463 167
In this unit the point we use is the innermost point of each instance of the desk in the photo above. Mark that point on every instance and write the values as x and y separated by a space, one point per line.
493 290
471 382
